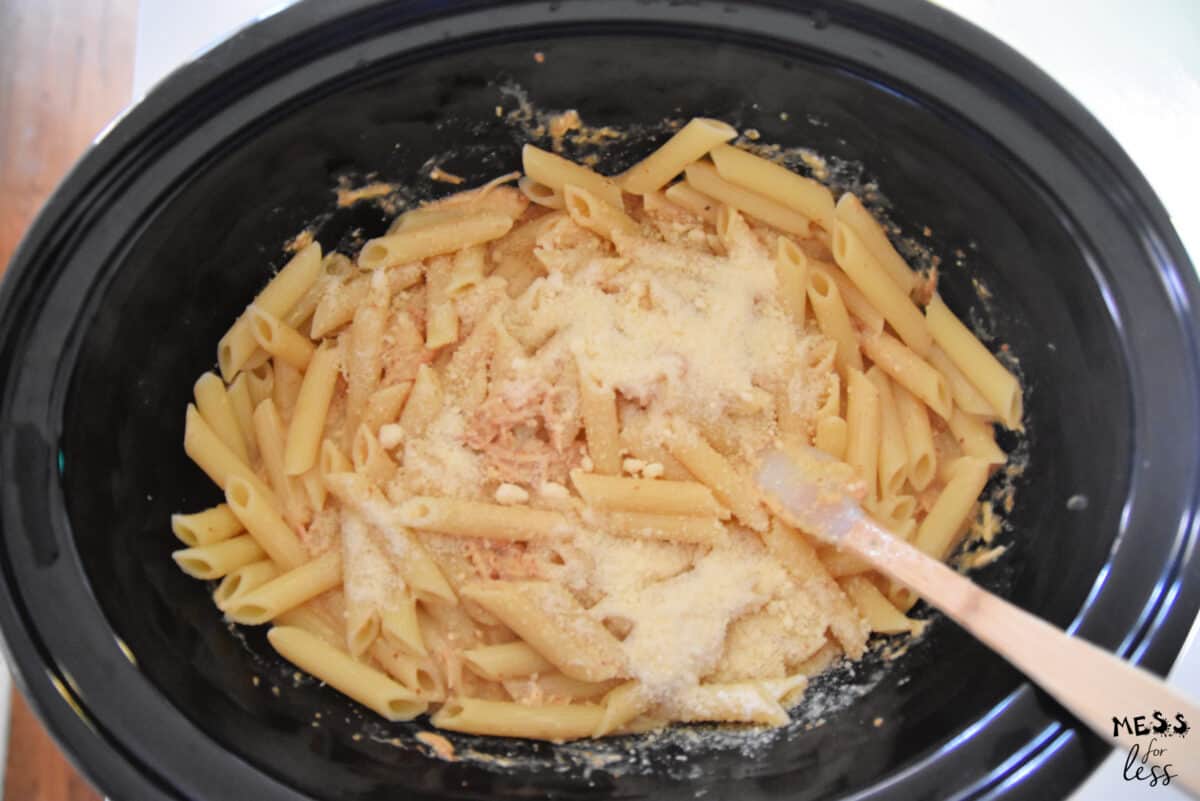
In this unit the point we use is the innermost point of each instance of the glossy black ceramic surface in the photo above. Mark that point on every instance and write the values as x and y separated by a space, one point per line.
115 301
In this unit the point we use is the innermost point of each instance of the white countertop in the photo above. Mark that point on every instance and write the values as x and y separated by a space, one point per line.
1135 65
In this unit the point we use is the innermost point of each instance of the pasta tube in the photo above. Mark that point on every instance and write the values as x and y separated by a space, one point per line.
368 686
690 143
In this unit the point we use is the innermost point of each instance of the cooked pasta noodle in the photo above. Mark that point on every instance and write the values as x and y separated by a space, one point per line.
495 466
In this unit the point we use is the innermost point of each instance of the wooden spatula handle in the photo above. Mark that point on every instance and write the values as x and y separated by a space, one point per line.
1097 687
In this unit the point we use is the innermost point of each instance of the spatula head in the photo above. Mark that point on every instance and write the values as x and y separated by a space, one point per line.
812 491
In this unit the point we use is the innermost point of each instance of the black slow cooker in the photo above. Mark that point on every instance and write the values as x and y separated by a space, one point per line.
118 294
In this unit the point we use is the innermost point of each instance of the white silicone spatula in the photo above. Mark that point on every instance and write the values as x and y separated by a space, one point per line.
1092 683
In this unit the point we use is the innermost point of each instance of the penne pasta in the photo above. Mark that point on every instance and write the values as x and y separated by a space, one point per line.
910 371
966 397
300 315
621 705
976 437
553 722
876 609
287 591
557 173
672 528
313 487
704 178
316 619
893 452
417 569
264 524
491 196
653 456
857 305
863 427
654 496
918 437
424 401
339 303
982 369
540 193
690 143
399 622
368 686
215 406
206 527
280 340
735 235
518 274
364 356
369 459
257 359
598 407
475 519
851 213
554 624
441 317
332 460
554 687
831 436
367 581
687 197
312 404
269 431
598 217
435 239
939 531
414 674
743 702
801 194
791 271
787 689
242 580
277 298
891 301
466 271
286 392
218 559
424 216
468 369
385 404
260 381
831 315
511 660
243 411
212 456
730 487
896 514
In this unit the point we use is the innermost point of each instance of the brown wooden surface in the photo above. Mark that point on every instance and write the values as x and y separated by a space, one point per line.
66 69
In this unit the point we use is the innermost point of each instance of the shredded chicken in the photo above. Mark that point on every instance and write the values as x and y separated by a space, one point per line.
524 431
495 559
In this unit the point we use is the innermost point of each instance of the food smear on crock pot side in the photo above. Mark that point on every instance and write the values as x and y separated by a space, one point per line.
348 196
442 748
493 465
